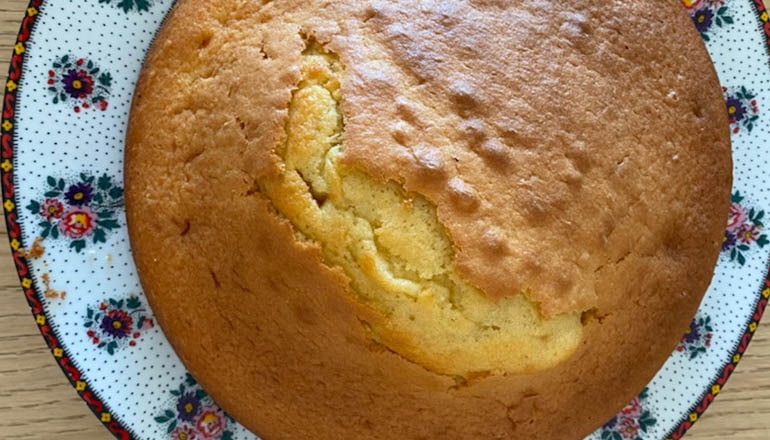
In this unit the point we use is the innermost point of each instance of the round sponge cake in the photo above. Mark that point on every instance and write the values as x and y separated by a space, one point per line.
419 219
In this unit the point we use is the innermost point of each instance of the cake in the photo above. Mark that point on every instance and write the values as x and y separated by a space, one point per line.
402 219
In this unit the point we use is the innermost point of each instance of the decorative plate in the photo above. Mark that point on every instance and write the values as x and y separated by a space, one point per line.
65 109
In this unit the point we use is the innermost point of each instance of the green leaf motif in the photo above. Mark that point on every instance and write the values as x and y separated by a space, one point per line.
100 236
105 182
762 241
128 5
51 181
741 259
105 79
737 198
98 198
108 223
161 419
46 229
200 394
34 207
89 312
116 192
111 347
133 302
52 193
190 380
60 185
54 233
227 435
171 427
646 421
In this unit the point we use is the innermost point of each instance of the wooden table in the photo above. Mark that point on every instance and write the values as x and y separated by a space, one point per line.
37 402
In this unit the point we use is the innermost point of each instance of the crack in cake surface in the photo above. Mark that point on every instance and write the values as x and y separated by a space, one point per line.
395 252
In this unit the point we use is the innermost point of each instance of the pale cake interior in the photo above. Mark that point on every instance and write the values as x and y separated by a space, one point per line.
395 251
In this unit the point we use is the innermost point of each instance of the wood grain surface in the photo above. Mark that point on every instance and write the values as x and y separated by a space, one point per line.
37 402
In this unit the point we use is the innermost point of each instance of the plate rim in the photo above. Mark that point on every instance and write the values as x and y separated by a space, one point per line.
101 408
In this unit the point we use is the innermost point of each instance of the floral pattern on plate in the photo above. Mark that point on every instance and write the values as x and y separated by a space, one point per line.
697 339
194 416
744 230
117 323
709 15
632 422
79 210
741 108
79 82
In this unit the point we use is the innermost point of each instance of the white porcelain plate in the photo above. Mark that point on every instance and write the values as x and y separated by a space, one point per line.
65 109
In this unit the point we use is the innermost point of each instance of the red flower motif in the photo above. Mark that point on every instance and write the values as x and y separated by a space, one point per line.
102 105
147 323
748 233
629 427
184 432
77 222
736 217
211 422
51 209
633 409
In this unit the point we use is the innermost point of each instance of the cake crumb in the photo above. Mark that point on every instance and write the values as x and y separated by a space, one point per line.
49 292
35 251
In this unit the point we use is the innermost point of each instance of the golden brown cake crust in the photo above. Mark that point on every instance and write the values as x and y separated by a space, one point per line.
581 157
